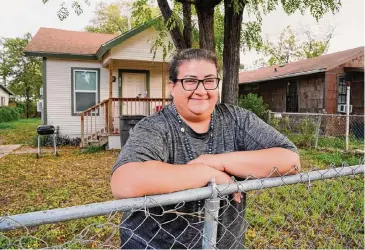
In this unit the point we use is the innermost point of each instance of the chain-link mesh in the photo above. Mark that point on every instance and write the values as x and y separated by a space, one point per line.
315 209
325 131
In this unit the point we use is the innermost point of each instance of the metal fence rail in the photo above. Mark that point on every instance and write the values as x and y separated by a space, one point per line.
288 205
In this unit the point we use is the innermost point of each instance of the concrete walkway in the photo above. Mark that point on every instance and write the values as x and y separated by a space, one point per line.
7 149
33 151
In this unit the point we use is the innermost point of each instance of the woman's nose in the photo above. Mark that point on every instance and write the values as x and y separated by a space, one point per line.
200 89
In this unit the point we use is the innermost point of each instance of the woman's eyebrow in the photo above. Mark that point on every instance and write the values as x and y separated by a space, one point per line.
209 75
192 76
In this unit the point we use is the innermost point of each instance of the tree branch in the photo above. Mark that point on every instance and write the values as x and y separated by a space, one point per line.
186 1
207 3
175 32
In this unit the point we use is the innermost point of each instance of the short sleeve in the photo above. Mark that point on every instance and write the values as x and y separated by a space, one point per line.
146 142
255 134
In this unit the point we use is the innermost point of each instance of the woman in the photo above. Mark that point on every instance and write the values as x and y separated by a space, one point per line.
184 146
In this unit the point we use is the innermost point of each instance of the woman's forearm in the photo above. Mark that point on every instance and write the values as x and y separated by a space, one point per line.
260 163
154 177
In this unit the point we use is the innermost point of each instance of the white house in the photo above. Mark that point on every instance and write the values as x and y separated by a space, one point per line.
90 79
4 95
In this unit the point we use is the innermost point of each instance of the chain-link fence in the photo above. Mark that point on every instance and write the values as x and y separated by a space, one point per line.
314 209
315 130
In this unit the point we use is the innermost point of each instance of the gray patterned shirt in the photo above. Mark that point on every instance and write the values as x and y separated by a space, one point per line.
158 137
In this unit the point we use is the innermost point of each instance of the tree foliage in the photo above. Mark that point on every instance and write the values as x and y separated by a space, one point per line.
108 19
236 35
294 45
120 16
22 74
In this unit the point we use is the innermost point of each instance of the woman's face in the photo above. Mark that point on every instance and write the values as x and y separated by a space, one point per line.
198 104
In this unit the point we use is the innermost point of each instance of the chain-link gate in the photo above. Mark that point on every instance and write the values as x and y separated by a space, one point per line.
315 209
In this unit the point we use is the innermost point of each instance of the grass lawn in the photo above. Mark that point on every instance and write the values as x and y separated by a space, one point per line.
18 132
322 215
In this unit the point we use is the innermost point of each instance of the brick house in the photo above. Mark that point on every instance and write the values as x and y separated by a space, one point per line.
310 85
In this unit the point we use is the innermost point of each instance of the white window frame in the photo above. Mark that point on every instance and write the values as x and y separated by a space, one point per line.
84 91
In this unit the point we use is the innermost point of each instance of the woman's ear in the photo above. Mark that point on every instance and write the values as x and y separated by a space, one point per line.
172 88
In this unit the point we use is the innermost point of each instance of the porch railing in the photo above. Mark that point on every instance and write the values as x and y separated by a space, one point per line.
102 119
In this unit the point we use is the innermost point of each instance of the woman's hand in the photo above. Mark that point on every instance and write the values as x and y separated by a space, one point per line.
218 174
223 178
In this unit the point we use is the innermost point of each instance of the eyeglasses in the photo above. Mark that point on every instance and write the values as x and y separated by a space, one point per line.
191 84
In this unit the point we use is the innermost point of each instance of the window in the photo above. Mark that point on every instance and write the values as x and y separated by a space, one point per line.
2 101
342 89
85 86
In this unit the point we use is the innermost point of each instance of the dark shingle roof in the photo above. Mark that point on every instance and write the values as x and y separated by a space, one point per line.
303 67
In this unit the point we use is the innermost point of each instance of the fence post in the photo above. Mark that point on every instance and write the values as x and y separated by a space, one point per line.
82 129
211 212
347 114
318 129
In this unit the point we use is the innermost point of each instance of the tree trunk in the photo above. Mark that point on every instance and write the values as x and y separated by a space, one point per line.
206 26
187 24
231 51
176 34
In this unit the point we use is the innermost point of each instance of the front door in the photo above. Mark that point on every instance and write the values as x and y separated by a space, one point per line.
292 97
133 85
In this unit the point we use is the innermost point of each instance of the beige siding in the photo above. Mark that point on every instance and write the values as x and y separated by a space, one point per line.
138 47
6 95
59 93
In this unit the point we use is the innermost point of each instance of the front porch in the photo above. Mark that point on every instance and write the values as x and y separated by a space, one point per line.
103 120
135 88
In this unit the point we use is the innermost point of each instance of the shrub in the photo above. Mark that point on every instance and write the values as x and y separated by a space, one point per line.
306 133
254 103
47 140
9 114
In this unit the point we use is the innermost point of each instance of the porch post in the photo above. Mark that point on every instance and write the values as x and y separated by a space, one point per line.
163 84
110 102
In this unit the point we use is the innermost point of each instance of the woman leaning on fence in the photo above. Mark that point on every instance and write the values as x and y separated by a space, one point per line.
184 146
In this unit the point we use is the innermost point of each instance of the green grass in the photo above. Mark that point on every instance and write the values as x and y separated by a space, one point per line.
73 178
340 142
18 132
324 214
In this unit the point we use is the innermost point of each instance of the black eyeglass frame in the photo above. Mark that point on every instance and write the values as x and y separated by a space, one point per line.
199 81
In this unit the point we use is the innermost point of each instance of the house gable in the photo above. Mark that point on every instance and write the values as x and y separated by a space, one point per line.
138 47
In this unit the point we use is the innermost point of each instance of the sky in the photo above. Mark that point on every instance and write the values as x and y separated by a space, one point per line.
20 16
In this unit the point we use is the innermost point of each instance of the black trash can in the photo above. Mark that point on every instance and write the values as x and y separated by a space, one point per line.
127 122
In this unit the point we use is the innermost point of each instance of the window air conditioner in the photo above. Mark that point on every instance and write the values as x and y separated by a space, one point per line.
341 108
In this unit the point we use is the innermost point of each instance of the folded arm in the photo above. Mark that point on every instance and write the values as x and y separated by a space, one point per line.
259 163
154 177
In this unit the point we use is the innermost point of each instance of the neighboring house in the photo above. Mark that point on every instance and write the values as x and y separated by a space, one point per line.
91 79
311 85
4 95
